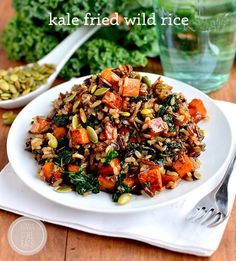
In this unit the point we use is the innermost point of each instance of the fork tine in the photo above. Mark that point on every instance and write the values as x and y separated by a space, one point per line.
193 213
214 220
211 212
202 213
219 220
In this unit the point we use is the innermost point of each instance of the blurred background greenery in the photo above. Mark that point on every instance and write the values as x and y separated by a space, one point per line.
29 37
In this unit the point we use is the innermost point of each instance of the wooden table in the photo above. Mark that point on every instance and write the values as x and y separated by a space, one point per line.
68 244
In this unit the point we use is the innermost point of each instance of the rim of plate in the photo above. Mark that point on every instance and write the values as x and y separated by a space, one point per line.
119 210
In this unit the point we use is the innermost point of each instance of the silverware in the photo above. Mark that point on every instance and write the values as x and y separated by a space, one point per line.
213 209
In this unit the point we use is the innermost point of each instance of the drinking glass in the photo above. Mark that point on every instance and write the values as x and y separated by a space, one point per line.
197 40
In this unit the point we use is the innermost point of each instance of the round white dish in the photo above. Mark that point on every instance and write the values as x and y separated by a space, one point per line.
214 159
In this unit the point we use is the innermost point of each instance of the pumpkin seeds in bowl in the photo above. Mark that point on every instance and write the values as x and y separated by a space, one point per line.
20 81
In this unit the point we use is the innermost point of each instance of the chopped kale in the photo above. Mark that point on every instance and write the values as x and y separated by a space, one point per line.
110 155
90 124
64 157
120 188
83 182
60 120
134 146
166 103
147 184
139 98
169 120
170 147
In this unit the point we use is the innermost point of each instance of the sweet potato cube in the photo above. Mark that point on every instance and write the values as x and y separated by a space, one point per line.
106 183
108 75
131 87
40 125
59 132
183 165
167 178
197 110
79 136
73 168
50 172
112 169
157 126
151 180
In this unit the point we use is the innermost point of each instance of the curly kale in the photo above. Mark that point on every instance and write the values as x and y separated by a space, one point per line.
98 54
24 40
144 38
29 37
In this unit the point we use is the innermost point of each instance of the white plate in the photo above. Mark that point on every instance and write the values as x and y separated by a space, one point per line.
214 159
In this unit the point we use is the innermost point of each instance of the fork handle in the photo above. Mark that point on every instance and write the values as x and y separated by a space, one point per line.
222 188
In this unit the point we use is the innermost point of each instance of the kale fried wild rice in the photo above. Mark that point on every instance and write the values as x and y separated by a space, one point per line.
119 133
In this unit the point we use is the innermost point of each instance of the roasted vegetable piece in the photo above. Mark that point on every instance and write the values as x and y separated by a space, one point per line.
157 126
197 110
167 178
102 136
162 90
106 183
40 125
183 165
109 76
59 132
112 169
112 100
73 168
131 87
131 182
151 180
50 172
79 136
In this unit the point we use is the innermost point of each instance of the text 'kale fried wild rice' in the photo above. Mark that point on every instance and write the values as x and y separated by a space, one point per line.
119 133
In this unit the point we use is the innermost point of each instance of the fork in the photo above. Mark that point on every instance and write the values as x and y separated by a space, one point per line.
213 209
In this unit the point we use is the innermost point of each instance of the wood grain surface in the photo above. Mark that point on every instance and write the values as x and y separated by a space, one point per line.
69 244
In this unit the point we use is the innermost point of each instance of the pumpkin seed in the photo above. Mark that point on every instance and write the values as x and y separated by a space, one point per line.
138 76
13 89
125 114
3 73
8 117
52 140
5 96
26 91
82 115
57 183
14 77
93 89
63 189
75 106
146 80
75 122
70 98
197 175
146 111
92 134
4 85
124 199
101 91
95 104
